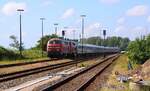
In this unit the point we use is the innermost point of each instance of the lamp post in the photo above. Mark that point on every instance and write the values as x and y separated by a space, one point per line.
20 46
56 24
42 19
82 16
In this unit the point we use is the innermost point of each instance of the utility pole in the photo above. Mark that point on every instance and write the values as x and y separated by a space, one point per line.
82 16
42 19
56 25
20 46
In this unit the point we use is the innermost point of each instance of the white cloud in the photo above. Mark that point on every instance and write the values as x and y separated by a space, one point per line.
93 29
11 7
138 10
90 30
24 34
121 20
68 13
132 32
93 26
110 1
148 19
46 2
69 32
140 31
119 28
78 21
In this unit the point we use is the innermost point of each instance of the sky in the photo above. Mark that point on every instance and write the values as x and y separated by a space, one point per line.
125 18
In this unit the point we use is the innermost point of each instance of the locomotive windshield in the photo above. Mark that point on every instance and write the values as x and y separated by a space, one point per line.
55 42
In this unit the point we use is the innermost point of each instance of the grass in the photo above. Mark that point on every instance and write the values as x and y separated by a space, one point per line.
9 57
31 54
120 65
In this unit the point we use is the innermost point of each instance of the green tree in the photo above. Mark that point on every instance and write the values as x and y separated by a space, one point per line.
114 41
123 43
7 54
45 40
92 40
138 50
148 45
15 43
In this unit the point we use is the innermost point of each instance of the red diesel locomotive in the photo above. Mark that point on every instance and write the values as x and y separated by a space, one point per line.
57 47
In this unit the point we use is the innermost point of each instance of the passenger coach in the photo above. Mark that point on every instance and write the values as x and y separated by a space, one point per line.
57 47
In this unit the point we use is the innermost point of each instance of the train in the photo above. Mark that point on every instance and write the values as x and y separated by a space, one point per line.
59 47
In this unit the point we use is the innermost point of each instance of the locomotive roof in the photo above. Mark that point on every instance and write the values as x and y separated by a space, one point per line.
62 40
55 39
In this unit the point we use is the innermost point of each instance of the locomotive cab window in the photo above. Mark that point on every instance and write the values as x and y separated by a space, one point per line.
55 42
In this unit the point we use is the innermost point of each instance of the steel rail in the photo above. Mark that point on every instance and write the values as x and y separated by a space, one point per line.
88 82
25 63
15 75
64 81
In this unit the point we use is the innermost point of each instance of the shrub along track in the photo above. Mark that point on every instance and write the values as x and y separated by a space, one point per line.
79 81
13 79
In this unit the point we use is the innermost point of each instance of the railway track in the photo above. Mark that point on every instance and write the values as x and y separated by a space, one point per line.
80 81
11 76
88 82
23 73
25 63
18 78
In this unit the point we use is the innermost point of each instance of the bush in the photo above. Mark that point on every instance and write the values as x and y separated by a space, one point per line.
139 50
7 54
33 53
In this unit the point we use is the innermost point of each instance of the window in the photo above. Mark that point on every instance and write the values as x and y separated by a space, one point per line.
55 42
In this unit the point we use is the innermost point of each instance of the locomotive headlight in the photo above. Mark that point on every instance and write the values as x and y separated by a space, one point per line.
57 49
